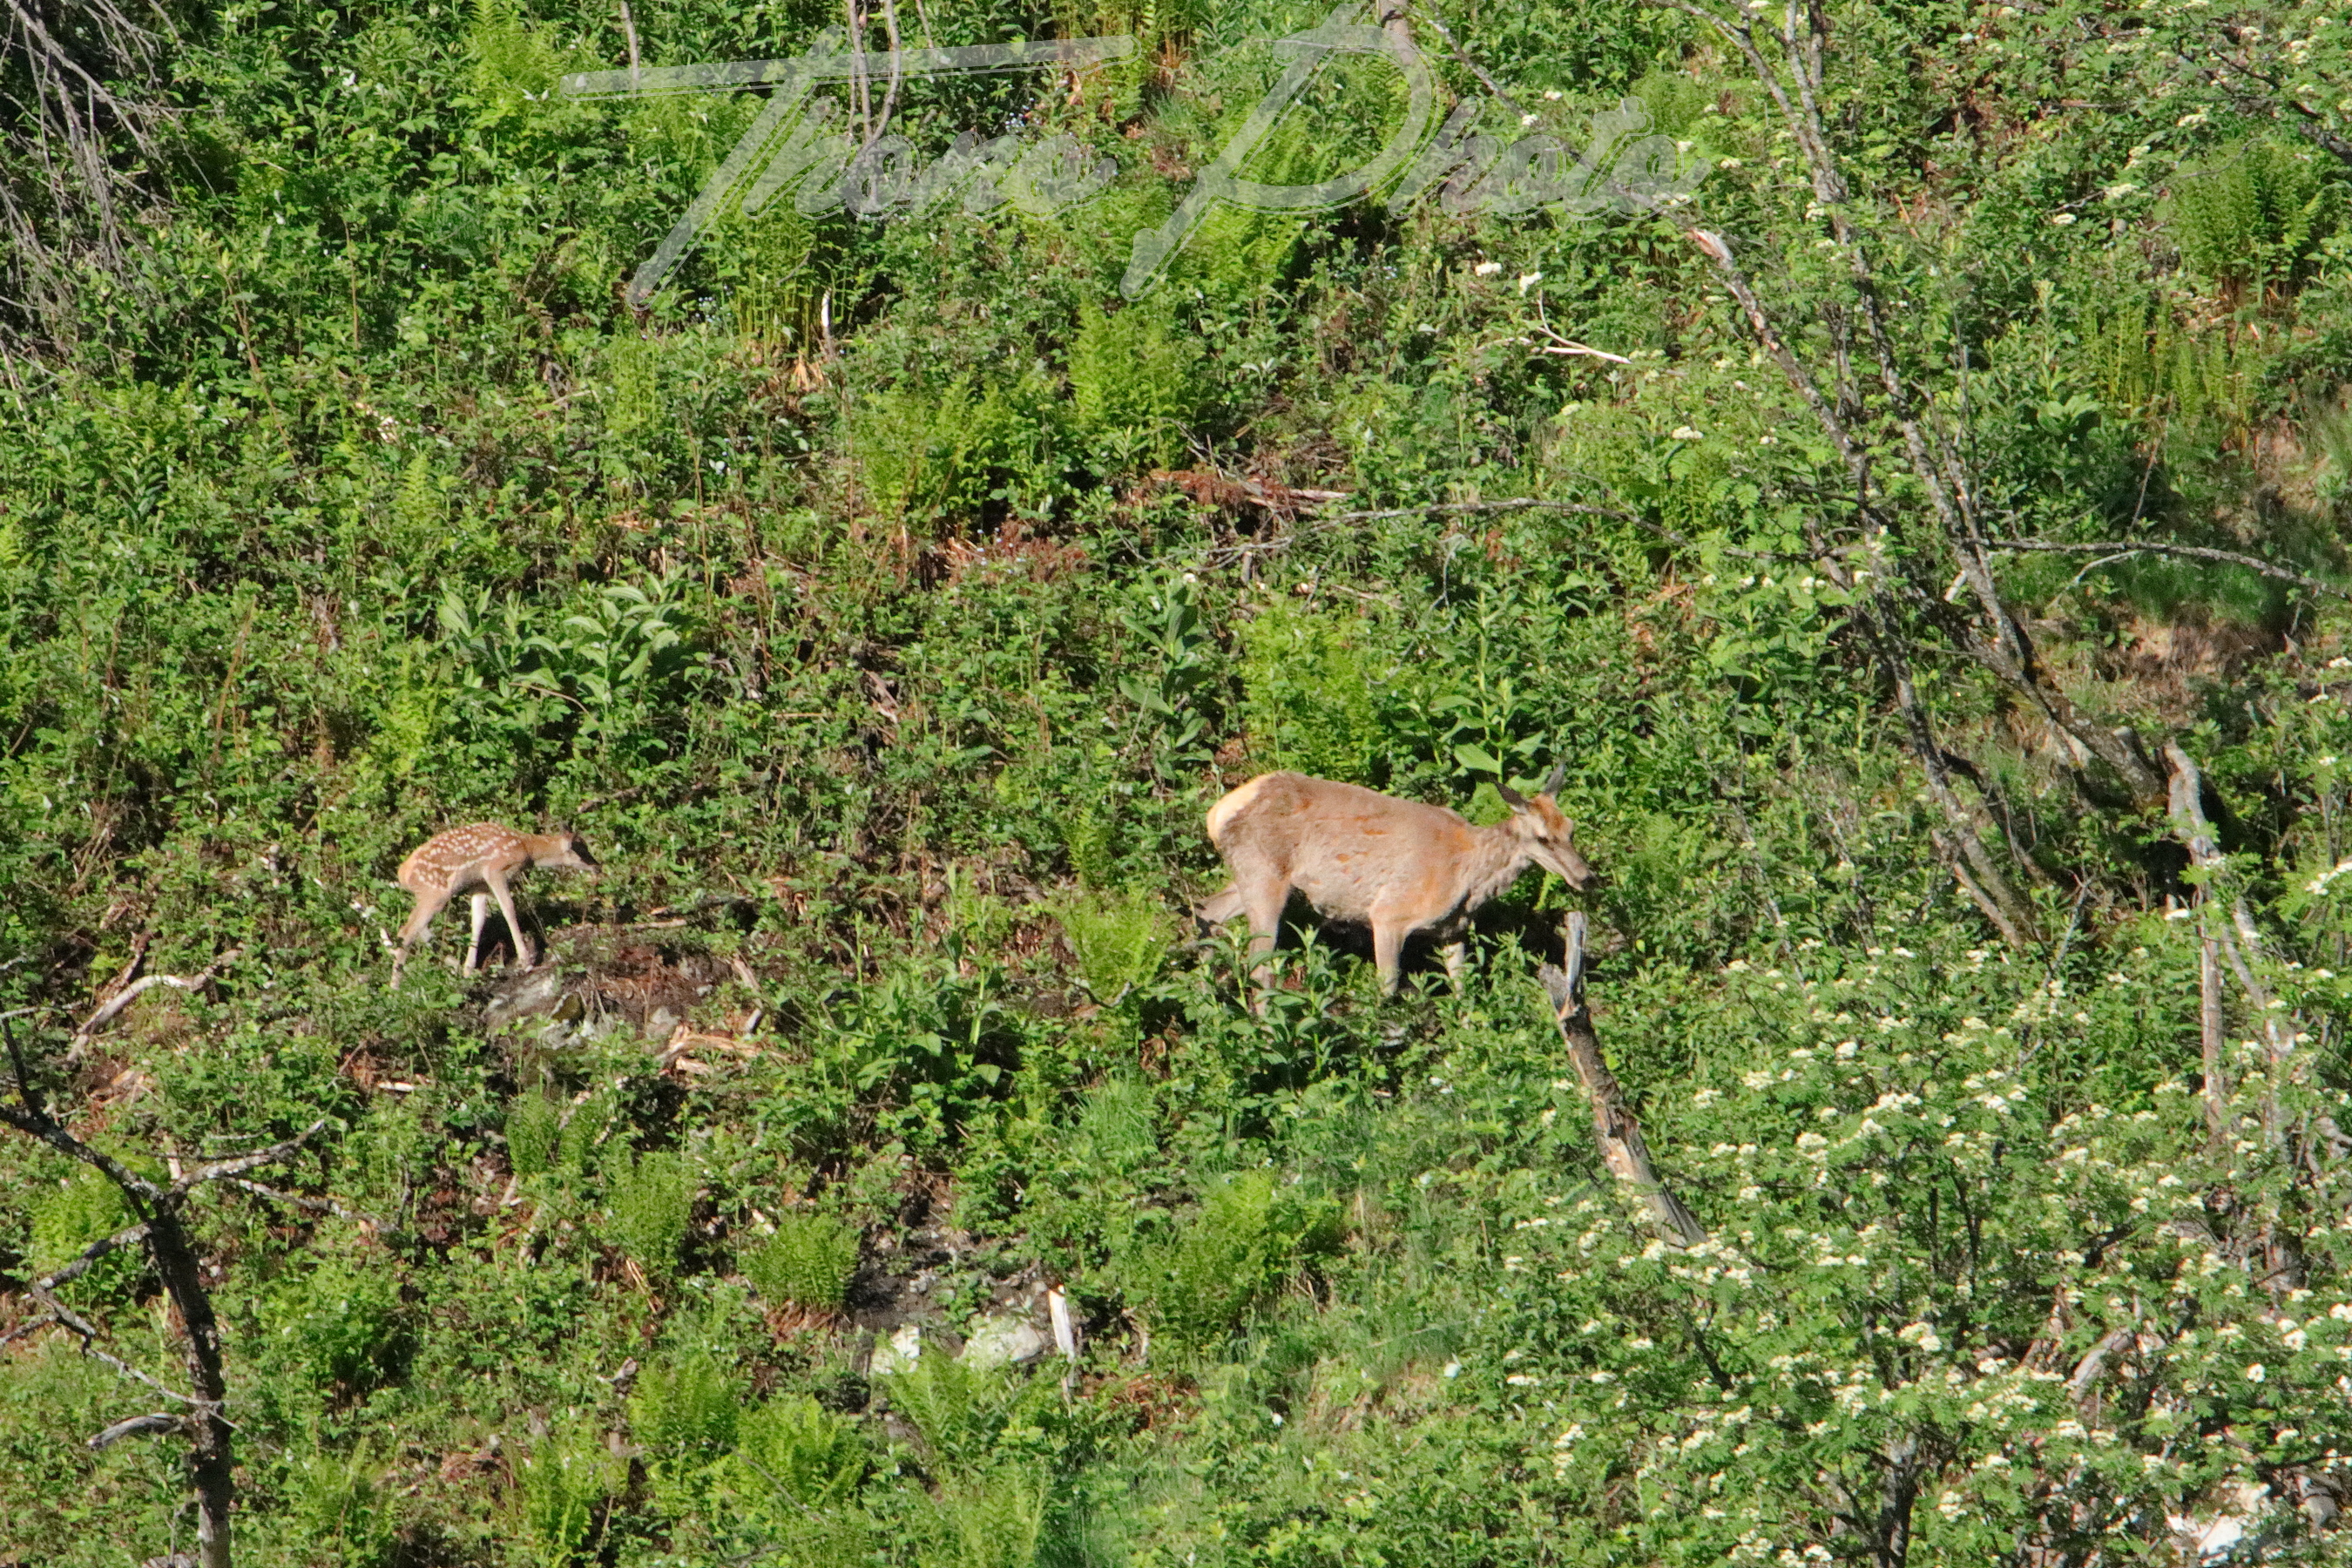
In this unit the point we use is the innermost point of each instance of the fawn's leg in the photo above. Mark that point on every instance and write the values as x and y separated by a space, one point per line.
506 907
474 943
419 918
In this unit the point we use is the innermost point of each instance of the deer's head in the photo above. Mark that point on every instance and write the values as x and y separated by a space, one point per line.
1550 837
570 854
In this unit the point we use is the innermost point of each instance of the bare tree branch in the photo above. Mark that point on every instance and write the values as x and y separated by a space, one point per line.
221 1169
137 988
1622 1147
80 1266
135 1426
2118 550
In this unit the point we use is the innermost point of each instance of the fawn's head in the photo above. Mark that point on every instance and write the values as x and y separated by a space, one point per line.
570 854
1549 836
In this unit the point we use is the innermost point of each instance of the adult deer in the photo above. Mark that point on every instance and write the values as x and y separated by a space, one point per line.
1396 865
481 855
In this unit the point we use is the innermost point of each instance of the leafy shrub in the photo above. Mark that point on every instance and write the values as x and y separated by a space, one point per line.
793 1447
341 1322
1250 1237
809 1260
1090 839
954 452
961 1410
791 1485
341 1502
1117 1124
684 1409
682 1412
1309 705
1120 939
575 1145
650 1199
998 1522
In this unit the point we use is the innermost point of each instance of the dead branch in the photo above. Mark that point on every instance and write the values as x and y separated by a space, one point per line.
92 1253
134 1427
316 1205
1622 1148
2087 1370
220 1170
29 1325
212 1460
140 987
2119 551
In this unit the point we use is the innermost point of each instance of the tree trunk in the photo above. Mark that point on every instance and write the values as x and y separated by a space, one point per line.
211 1464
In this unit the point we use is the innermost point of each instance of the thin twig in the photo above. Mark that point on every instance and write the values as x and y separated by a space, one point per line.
1471 66
92 1253
221 1169
134 1427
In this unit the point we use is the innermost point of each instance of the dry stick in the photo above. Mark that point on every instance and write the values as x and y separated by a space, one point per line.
2210 1030
30 1325
1989 887
2241 945
1471 66
1622 1148
2122 548
898 73
132 992
860 93
134 1427
629 32
1330 521
212 1460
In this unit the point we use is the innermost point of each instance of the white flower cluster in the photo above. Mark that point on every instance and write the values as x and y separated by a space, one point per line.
2321 883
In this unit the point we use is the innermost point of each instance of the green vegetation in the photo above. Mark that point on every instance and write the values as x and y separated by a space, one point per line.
1952 679
808 1262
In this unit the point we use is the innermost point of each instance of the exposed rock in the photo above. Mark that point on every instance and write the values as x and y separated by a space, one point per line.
904 1349
1003 1341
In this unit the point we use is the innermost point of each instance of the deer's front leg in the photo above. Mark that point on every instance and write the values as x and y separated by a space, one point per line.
1457 961
474 943
418 919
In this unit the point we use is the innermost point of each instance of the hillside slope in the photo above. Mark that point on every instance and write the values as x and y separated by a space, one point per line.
1923 544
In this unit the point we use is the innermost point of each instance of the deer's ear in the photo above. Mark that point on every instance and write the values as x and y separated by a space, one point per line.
1511 798
1559 773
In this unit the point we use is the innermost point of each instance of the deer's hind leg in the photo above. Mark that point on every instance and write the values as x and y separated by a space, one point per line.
1388 948
474 943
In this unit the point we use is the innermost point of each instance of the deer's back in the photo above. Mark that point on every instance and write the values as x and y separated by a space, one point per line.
1344 847
454 860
